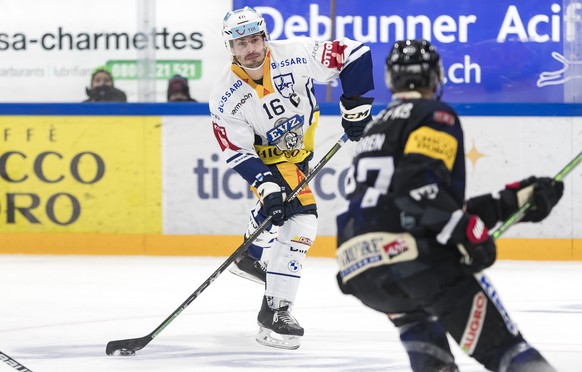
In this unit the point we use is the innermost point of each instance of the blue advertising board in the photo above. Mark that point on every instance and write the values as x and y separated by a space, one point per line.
493 51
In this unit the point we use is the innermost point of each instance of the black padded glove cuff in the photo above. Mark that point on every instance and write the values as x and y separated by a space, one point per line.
356 114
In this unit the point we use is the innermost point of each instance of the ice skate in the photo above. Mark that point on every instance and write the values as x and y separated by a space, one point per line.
278 328
247 267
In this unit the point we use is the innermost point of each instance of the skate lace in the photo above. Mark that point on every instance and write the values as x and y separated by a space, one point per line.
261 267
285 317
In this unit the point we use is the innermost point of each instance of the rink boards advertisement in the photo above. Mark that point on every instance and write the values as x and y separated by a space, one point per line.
50 53
516 51
159 184
80 175
500 51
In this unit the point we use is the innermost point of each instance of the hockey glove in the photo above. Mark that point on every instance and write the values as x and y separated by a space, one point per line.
356 113
473 240
272 200
543 192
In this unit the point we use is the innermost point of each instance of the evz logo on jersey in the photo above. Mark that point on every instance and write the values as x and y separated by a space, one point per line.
287 135
284 84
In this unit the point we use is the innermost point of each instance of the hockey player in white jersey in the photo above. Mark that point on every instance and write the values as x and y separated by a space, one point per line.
264 116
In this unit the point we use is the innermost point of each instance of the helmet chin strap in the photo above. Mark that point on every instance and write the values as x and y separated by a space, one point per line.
254 68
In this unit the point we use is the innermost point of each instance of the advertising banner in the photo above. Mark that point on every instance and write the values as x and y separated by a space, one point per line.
134 184
492 51
202 196
50 48
80 174
517 51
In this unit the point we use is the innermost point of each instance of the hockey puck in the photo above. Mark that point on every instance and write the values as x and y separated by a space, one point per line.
126 352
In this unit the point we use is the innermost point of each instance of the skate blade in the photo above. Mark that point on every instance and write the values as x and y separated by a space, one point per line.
243 274
266 337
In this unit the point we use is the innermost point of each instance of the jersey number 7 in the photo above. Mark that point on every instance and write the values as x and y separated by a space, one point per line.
376 173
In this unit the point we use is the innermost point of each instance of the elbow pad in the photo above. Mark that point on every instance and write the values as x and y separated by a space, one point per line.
430 206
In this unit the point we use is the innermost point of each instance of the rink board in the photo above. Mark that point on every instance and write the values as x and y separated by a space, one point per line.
150 180
224 245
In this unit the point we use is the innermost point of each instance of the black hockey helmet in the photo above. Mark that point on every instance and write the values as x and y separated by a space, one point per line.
413 64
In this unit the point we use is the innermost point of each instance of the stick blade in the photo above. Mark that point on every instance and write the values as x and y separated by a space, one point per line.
127 347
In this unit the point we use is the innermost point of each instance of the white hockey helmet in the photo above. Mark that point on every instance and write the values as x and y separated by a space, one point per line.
240 23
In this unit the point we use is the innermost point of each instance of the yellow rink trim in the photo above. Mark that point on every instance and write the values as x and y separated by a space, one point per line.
219 245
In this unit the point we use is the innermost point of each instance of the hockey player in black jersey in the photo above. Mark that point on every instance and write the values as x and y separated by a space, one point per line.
411 246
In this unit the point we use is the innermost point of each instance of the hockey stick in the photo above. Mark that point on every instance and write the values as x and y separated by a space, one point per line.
130 346
518 215
13 363
510 221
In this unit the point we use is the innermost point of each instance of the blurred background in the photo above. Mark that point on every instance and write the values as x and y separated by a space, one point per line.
140 174
501 51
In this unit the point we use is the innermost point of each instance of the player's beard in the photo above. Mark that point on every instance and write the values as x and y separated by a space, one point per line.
254 60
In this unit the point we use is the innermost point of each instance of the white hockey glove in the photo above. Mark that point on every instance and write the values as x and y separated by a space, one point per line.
356 114
272 199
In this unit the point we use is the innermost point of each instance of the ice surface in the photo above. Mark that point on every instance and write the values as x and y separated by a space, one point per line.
57 313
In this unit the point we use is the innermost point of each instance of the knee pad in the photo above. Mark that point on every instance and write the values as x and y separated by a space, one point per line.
426 343
299 232
287 255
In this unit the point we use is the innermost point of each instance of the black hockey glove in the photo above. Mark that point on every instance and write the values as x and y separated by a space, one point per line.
272 200
473 240
356 113
544 193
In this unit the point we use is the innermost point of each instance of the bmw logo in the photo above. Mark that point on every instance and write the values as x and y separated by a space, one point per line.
293 266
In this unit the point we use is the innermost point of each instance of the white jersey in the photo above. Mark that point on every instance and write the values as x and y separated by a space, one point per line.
274 121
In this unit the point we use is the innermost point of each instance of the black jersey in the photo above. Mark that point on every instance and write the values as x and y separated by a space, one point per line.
409 161
424 140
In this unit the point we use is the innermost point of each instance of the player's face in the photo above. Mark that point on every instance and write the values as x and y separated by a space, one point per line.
249 50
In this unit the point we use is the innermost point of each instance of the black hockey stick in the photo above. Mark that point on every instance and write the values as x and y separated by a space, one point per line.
13 363
518 215
130 346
